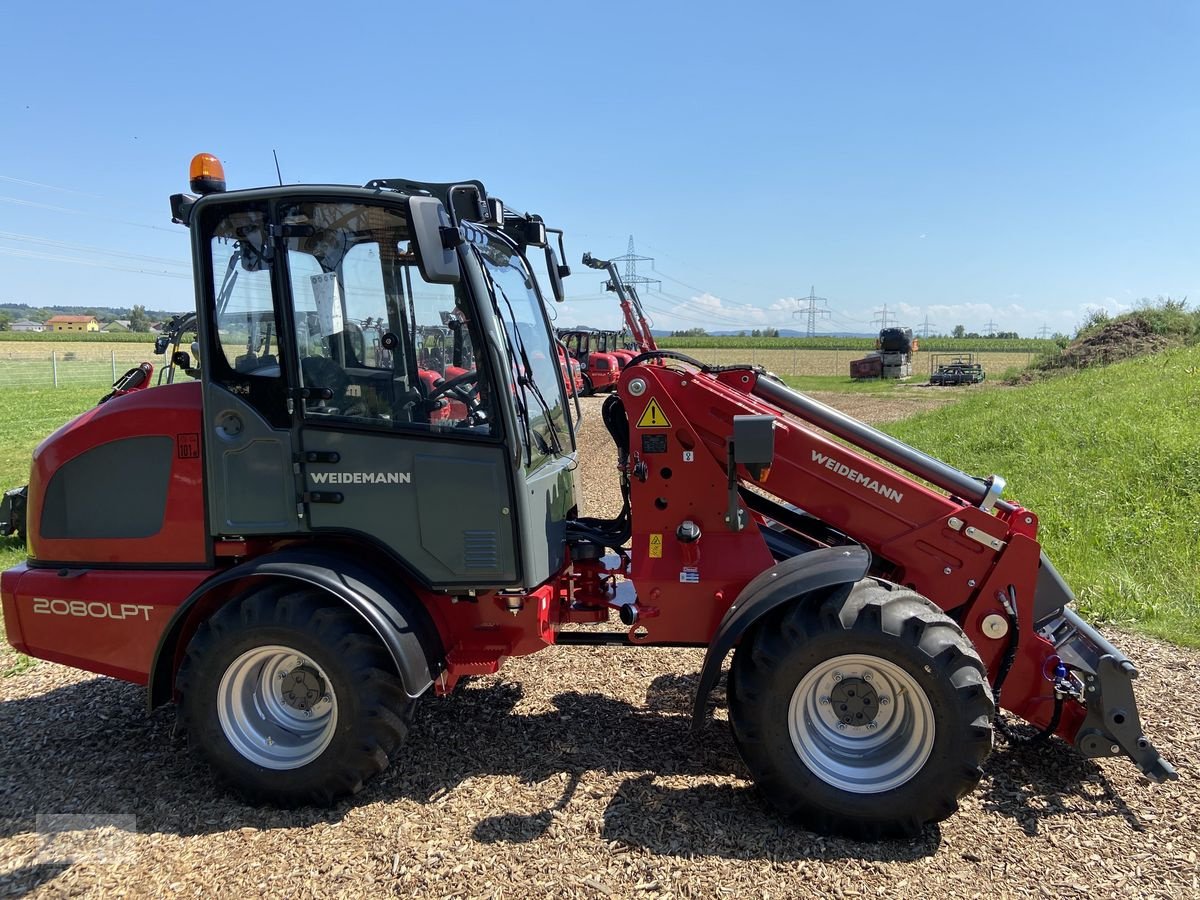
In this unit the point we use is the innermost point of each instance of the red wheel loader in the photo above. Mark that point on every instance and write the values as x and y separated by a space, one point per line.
314 546
598 368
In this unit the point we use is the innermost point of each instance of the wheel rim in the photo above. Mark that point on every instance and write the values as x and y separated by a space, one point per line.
277 707
892 742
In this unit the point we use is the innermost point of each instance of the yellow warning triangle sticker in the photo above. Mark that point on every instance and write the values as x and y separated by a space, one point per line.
653 416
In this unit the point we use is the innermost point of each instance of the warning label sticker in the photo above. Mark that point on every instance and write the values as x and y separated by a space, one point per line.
656 546
653 417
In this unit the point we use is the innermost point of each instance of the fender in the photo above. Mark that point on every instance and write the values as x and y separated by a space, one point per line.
780 584
397 617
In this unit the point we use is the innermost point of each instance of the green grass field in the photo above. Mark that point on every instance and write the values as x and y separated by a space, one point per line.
1109 459
26 417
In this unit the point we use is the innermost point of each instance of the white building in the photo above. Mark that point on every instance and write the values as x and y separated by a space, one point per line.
27 325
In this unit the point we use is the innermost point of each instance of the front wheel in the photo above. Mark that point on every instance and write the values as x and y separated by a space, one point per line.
291 699
867 715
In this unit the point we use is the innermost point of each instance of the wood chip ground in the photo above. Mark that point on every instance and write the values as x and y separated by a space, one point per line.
572 773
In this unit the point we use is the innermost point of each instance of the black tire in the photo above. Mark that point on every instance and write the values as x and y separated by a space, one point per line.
363 714
588 390
816 777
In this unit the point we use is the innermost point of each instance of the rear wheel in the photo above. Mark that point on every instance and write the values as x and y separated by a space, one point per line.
588 390
290 699
868 715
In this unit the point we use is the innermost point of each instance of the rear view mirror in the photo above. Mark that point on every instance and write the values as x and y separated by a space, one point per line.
434 240
555 273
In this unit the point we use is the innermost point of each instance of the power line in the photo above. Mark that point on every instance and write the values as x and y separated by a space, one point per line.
885 319
79 212
926 326
84 248
31 254
1044 331
49 187
990 327
813 311
631 259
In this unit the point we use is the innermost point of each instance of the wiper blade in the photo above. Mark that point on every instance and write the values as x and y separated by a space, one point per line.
529 380
518 395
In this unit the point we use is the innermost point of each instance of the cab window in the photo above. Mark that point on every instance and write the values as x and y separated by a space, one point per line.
377 347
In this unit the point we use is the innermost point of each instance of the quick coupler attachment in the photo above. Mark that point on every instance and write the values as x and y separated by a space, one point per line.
1112 726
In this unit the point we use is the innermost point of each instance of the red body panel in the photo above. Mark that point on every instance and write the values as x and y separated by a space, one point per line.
171 410
603 369
106 621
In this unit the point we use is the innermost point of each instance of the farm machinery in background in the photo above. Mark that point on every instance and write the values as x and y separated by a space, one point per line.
604 354
952 369
599 368
312 548
892 357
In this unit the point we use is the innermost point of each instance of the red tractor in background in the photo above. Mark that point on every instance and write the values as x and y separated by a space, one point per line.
599 369
611 342
597 349
314 546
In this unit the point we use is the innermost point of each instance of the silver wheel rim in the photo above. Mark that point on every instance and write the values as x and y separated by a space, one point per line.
265 726
873 757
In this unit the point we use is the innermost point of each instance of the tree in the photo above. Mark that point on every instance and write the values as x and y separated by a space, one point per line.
959 331
5 321
138 320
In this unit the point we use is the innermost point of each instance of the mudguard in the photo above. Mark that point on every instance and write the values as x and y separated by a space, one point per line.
394 614
779 584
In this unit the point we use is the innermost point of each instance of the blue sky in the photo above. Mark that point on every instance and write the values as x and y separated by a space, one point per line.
1021 163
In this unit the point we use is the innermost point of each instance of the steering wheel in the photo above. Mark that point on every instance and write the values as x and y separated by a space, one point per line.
456 386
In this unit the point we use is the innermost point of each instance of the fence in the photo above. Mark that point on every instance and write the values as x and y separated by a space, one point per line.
29 367
803 361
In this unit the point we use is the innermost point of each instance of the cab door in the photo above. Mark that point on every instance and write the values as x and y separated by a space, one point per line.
383 451
248 427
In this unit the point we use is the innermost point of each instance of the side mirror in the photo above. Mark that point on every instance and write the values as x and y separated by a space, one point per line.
555 273
434 240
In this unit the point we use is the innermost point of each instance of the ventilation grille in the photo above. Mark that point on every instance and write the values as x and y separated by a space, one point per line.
481 550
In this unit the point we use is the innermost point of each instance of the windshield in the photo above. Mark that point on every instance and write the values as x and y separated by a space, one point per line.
533 356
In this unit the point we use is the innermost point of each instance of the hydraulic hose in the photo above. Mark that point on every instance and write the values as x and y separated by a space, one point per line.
1006 664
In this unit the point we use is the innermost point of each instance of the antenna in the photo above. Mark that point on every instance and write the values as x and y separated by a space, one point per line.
277 173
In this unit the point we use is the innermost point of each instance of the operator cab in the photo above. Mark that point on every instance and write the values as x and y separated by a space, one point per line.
378 362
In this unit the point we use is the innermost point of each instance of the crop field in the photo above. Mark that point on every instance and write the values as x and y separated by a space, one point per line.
38 364
857 344
799 362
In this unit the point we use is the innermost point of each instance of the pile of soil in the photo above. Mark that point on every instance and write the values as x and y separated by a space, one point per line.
1124 338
